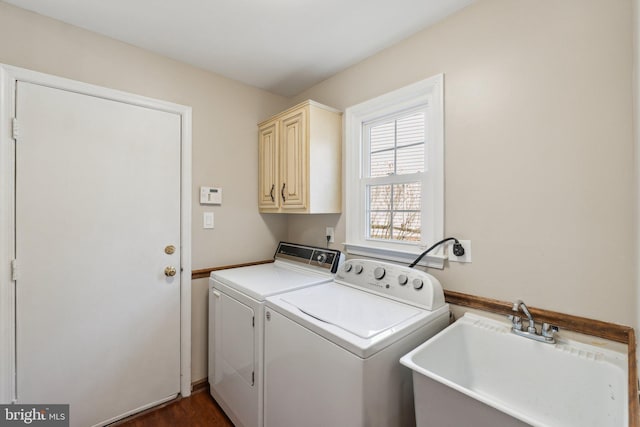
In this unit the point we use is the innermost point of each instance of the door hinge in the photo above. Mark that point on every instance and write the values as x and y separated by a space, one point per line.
253 321
253 377
14 128
14 270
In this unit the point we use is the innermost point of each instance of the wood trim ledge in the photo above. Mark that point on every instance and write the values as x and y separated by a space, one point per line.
583 325
634 403
206 272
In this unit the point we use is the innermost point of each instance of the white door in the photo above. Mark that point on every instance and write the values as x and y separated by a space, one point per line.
97 202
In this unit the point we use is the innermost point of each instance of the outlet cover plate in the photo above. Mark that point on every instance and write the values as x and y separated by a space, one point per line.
329 232
466 244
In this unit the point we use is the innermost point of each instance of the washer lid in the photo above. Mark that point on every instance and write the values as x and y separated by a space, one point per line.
360 313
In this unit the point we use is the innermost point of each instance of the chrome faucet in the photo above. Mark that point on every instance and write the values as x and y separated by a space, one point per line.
546 334
520 305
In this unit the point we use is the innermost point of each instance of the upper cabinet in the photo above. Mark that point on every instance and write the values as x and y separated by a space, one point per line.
299 152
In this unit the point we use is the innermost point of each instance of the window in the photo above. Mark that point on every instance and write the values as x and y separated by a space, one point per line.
394 171
393 167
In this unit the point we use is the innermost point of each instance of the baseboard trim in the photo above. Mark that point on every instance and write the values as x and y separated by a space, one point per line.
200 386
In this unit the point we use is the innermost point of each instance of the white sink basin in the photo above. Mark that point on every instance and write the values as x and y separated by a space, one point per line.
477 373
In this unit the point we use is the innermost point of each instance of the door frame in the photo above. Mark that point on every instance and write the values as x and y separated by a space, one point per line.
9 76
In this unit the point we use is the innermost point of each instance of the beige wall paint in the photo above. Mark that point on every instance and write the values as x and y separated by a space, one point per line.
539 146
539 149
636 135
225 114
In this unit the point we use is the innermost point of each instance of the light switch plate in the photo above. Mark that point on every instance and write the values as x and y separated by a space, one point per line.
466 244
207 220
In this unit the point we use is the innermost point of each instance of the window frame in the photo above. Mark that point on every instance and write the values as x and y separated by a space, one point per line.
429 93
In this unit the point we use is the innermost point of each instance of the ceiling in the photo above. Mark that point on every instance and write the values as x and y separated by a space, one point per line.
282 46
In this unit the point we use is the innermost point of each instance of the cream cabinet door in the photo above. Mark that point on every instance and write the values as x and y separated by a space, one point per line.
299 160
293 160
268 196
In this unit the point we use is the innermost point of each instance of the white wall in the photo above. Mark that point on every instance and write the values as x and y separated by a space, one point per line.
225 114
539 148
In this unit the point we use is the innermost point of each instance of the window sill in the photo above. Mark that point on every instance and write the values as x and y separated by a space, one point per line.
432 260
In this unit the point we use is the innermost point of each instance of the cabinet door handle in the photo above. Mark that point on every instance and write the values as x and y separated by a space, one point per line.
282 192
273 187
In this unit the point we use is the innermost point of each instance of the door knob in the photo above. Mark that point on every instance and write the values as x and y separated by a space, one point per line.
170 271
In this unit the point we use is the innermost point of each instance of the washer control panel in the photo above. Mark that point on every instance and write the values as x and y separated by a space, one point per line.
393 281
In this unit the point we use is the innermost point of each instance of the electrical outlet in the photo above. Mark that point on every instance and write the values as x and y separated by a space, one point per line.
329 232
466 244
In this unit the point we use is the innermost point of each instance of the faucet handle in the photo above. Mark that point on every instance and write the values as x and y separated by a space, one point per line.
516 321
548 330
516 305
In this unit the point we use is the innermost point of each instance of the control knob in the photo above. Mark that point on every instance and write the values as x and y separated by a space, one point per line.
379 273
321 258
417 284
347 267
403 279
358 269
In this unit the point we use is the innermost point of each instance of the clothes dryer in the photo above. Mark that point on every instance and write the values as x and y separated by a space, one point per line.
236 306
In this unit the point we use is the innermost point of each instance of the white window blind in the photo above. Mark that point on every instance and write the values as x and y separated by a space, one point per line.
395 163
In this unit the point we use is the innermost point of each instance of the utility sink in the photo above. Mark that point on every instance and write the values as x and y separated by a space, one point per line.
477 373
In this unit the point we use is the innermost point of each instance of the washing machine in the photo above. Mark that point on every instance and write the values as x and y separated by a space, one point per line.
332 351
236 306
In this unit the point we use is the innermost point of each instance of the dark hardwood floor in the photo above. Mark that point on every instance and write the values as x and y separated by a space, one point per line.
197 410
